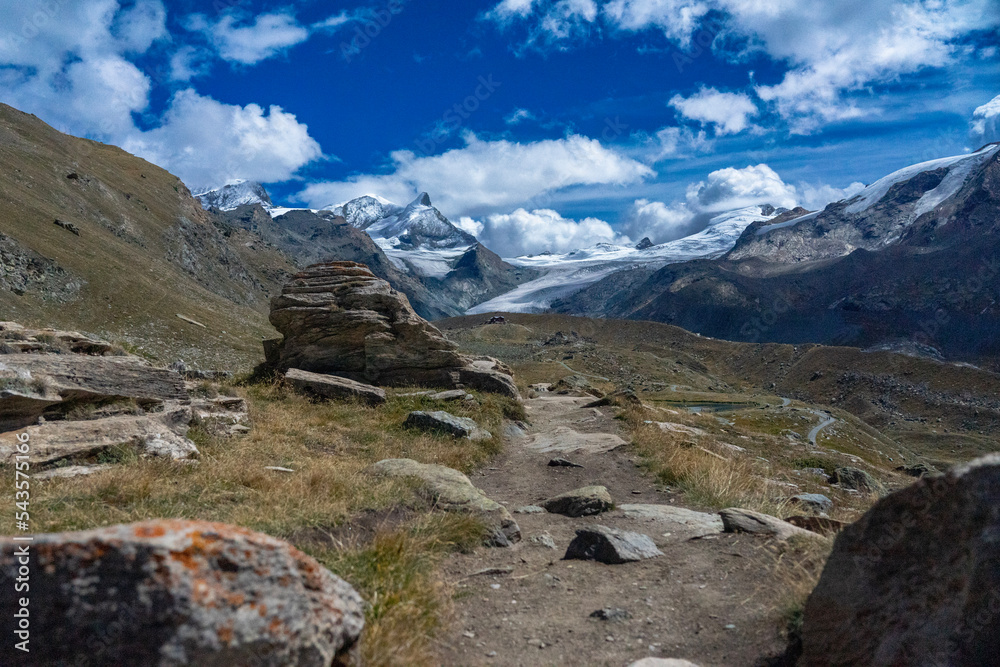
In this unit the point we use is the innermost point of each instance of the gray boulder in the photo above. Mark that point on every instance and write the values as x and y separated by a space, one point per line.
814 502
444 422
586 501
333 387
737 520
451 491
610 546
857 479
916 580
170 592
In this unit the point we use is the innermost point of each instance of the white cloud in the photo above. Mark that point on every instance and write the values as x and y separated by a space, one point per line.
71 64
731 188
658 221
489 176
206 142
676 18
518 116
816 197
725 190
729 112
531 232
188 62
241 41
140 26
672 143
985 126
830 49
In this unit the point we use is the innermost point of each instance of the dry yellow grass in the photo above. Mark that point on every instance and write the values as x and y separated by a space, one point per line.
392 561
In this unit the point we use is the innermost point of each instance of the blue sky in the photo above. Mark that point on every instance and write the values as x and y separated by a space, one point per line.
625 117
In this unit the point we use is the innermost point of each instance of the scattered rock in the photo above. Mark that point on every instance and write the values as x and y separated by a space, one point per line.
916 580
221 415
453 395
530 509
182 592
339 318
814 502
40 384
918 470
609 614
577 385
563 463
736 520
515 430
541 387
817 524
331 386
620 398
452 491
68 226
153 435
544 541
586 501
662 662
67 472
687 523
857 479
444 422
644 243
610 546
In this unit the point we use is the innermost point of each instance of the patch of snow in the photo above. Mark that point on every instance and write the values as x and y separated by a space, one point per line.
566 274
959 167
235 194
787 223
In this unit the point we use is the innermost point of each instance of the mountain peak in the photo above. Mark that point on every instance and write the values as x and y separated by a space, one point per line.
423 200
234 194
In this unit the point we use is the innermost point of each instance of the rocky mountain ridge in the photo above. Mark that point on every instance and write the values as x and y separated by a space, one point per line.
909 261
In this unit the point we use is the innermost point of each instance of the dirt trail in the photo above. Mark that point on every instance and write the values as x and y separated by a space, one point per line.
706 599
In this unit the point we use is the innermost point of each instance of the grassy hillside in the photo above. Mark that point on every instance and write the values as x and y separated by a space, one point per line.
145 252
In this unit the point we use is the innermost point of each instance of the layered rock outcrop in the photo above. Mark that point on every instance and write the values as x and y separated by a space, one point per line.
338 318
80 399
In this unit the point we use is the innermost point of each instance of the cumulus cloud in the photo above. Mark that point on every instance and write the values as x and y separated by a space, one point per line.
658 221
531 232
985 126
71 64
488 176
725 190
140 26
245 40
731 188
728 112
206 142
816 197
829 50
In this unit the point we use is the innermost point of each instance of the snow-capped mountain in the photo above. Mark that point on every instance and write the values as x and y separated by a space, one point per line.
910 260
233 195
566 274
883 214
418 225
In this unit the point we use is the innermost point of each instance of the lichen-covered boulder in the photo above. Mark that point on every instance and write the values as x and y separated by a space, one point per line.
173 592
